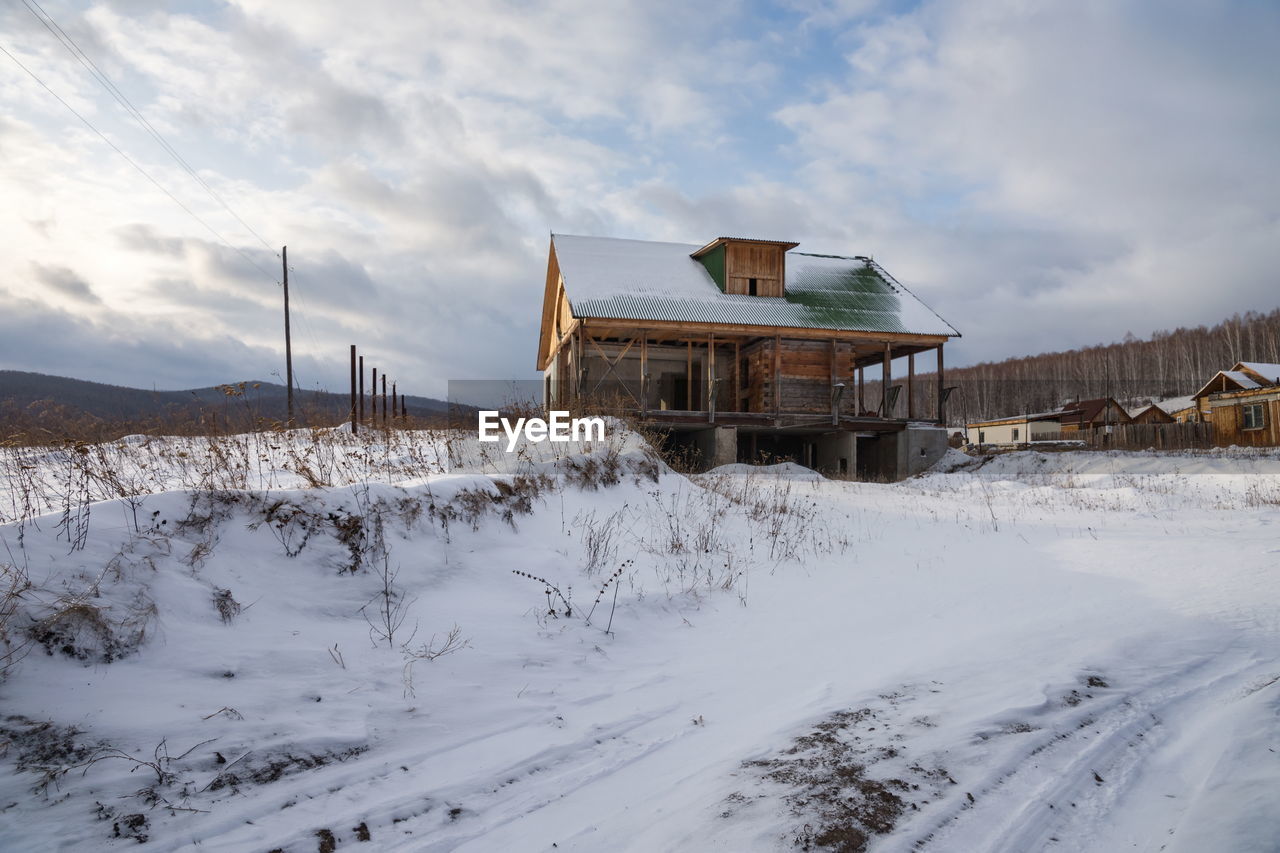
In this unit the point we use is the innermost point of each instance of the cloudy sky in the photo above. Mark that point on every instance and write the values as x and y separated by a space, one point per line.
1044 174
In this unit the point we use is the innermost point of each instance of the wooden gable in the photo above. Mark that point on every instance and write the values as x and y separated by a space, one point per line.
558 321
747 267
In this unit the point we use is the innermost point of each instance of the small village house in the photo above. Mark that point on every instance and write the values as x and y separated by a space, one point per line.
1020 429
1244 376
745 349
1099 413
1151 414
1243 405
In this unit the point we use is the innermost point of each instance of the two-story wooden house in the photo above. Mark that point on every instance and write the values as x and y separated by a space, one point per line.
748 349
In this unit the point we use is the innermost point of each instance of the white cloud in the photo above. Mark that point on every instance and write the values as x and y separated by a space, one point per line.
1019 165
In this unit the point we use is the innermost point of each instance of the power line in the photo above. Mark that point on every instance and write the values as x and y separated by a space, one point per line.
135 165
98 74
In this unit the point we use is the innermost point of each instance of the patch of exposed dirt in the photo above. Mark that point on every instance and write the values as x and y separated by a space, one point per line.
850 778
273 769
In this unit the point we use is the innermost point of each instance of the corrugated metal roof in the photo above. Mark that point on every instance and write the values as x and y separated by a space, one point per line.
608 278
1269 372
1242 379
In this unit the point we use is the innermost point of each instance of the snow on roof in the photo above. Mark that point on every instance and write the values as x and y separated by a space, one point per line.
1242 378
1270 372
605 267
612 278
1175 404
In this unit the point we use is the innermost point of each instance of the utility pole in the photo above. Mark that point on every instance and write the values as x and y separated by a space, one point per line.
288 343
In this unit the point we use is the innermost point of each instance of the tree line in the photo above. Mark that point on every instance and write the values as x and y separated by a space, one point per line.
1172 363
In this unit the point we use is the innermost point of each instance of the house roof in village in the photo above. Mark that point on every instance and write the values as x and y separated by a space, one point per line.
1056 414
1175 404
1242 381
610 278
1084 411
1269 372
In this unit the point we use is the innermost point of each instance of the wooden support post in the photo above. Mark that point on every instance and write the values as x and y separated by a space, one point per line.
911 387
373 400
862 390
942 415
404 411
395 402
385 422
579 369
688 380
711 377
360 414
887 378
644 373
737 376
354 403
777 376
835 404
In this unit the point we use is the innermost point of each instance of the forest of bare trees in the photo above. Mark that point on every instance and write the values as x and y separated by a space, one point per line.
1168 364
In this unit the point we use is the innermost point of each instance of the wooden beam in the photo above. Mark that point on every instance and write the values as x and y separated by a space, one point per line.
737 376
911 387
644 375
611 364
688 380
700 330
835 408
862 390
886 379
711 376
942 381
777 375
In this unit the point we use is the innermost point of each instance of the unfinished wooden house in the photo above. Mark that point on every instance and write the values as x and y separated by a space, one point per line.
748 350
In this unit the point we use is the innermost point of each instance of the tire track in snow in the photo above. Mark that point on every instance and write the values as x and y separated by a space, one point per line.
1080 766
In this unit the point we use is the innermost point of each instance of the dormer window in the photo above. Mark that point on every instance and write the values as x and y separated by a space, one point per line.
746 267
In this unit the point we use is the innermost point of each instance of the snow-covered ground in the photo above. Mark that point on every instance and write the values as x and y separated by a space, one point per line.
1073 651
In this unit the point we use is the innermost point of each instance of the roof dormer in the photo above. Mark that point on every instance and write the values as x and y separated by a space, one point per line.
746 267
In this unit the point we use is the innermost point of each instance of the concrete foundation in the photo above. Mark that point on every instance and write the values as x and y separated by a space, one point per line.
716 446
887 456
897 455
923 444
836 454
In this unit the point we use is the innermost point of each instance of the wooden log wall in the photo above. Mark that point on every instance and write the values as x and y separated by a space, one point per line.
1228 424
806 369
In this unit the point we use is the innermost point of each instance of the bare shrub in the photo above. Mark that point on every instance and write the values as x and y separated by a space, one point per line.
44 748
430 651
14 587
228 608
557 602
76 627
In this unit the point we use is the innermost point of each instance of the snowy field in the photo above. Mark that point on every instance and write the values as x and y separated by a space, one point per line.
311 642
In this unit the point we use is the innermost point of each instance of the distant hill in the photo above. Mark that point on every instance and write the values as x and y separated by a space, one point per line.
20 390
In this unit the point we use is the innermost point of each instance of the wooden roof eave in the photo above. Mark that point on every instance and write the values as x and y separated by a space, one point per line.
1206 391
550 303
669 327
720 241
